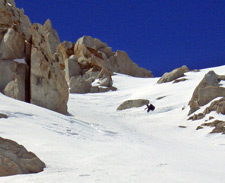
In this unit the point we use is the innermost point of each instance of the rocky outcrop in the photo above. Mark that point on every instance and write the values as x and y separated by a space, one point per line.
14 34
40 79
217 125
121 63
133 103
173 75
85 69
207 90
15 159
94 62
117 61
48 85
217 106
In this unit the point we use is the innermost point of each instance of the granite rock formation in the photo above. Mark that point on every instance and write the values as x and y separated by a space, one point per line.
207 90
47 77
29 66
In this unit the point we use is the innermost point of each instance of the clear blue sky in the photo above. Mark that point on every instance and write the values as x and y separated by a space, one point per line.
159 35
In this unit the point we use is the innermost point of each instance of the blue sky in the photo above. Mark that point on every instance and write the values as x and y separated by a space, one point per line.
159 35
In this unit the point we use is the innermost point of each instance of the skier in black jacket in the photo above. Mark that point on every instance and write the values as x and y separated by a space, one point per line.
150 107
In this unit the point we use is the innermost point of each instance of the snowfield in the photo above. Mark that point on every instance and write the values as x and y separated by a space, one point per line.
96 143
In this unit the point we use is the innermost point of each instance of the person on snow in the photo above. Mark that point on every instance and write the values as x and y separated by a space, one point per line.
150 107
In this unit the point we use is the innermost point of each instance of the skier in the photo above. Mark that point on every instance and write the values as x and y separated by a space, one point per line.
150 107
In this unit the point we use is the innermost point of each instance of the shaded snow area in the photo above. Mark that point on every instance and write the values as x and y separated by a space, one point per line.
96 143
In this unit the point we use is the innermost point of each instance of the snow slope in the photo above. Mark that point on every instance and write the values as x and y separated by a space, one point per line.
96 143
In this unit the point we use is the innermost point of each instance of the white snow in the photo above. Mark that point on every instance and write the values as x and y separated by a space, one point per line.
96 143
20 60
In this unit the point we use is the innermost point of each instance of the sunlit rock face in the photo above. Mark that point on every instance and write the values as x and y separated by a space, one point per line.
49 88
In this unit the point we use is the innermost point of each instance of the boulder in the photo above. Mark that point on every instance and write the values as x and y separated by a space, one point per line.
121 63
173 75
3 115
91 42
179 80
15 159
207 90
133 103
49 88
79 85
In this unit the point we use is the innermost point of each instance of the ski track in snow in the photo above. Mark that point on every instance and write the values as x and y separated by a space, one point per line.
96 143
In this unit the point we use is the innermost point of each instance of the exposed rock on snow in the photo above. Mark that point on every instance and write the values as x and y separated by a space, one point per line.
3 115
179 80
121 63
15 159
207 90
218 126
133 103
176 73
218 106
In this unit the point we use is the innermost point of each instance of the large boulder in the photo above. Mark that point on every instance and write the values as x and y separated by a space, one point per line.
133 103
15 159
121 63
173 75
207 90
91 42
49 88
